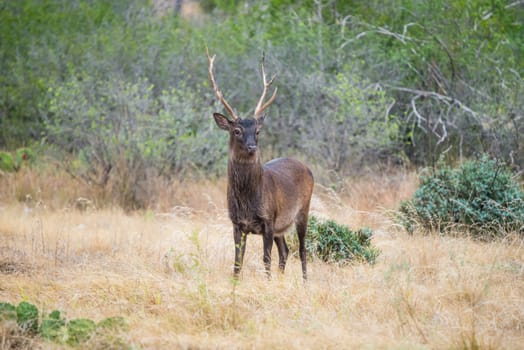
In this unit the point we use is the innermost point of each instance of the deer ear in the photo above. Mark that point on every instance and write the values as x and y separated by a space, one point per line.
260 120
222 121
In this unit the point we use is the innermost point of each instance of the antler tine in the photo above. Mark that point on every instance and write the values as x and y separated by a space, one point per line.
215 87
261 106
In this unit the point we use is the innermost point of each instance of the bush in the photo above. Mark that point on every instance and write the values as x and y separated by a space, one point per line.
122 136
335 243
80 330
27 317
7 312
480 197
11 163
53 327
6 162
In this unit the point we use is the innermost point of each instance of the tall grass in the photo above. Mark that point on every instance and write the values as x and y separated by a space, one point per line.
169 274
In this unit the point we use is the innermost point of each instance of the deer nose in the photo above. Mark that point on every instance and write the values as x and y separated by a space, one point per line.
251 148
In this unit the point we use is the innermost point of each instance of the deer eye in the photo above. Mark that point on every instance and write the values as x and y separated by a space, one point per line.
237 132
257 132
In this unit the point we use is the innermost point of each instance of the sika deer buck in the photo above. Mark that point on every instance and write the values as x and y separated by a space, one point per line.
262 199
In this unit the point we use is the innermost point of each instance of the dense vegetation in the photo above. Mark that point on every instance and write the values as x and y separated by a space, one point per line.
335 243
480 197
118 91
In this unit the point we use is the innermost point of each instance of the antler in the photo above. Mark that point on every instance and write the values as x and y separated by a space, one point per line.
261 106
215 87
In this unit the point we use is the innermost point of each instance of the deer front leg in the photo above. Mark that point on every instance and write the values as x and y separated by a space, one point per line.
268 245
240 248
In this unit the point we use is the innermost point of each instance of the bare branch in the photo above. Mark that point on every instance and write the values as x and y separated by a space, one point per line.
444 131
432 94
417 114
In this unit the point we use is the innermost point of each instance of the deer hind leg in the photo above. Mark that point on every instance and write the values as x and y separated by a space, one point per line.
240 249
301 226
283 252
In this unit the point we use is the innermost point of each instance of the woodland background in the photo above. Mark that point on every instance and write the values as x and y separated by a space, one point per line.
118 92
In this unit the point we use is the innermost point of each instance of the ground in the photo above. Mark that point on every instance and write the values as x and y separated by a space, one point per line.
168 273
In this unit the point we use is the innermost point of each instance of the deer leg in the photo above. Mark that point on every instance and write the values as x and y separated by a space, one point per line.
268 245
301 226
240 249
283 251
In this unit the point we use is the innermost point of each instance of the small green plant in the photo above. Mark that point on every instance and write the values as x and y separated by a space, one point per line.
333 242
27 317
24 155
7 312
54 327
11 163
6 162
479 197
80 330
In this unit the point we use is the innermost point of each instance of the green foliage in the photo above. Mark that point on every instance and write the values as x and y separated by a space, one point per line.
123 136
364 82
22 156
7 312
332 242
6 162
480 197
27 317
355 129
80 330
54 327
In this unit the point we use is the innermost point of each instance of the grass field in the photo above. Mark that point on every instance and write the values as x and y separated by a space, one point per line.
168 272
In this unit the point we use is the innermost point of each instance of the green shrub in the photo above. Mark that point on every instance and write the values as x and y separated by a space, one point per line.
27 317
335 243
7 312
480 197
6 162
123 137
24 155
80 330
53 327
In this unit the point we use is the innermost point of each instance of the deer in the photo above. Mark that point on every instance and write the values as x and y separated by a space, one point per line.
263 199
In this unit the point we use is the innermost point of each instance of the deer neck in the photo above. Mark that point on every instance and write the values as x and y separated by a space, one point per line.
245 178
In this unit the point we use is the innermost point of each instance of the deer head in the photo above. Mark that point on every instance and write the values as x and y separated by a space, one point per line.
243 133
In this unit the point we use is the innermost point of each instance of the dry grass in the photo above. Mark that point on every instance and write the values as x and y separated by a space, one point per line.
169 274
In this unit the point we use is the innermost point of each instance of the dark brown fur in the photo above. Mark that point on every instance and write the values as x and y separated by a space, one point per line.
264 199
